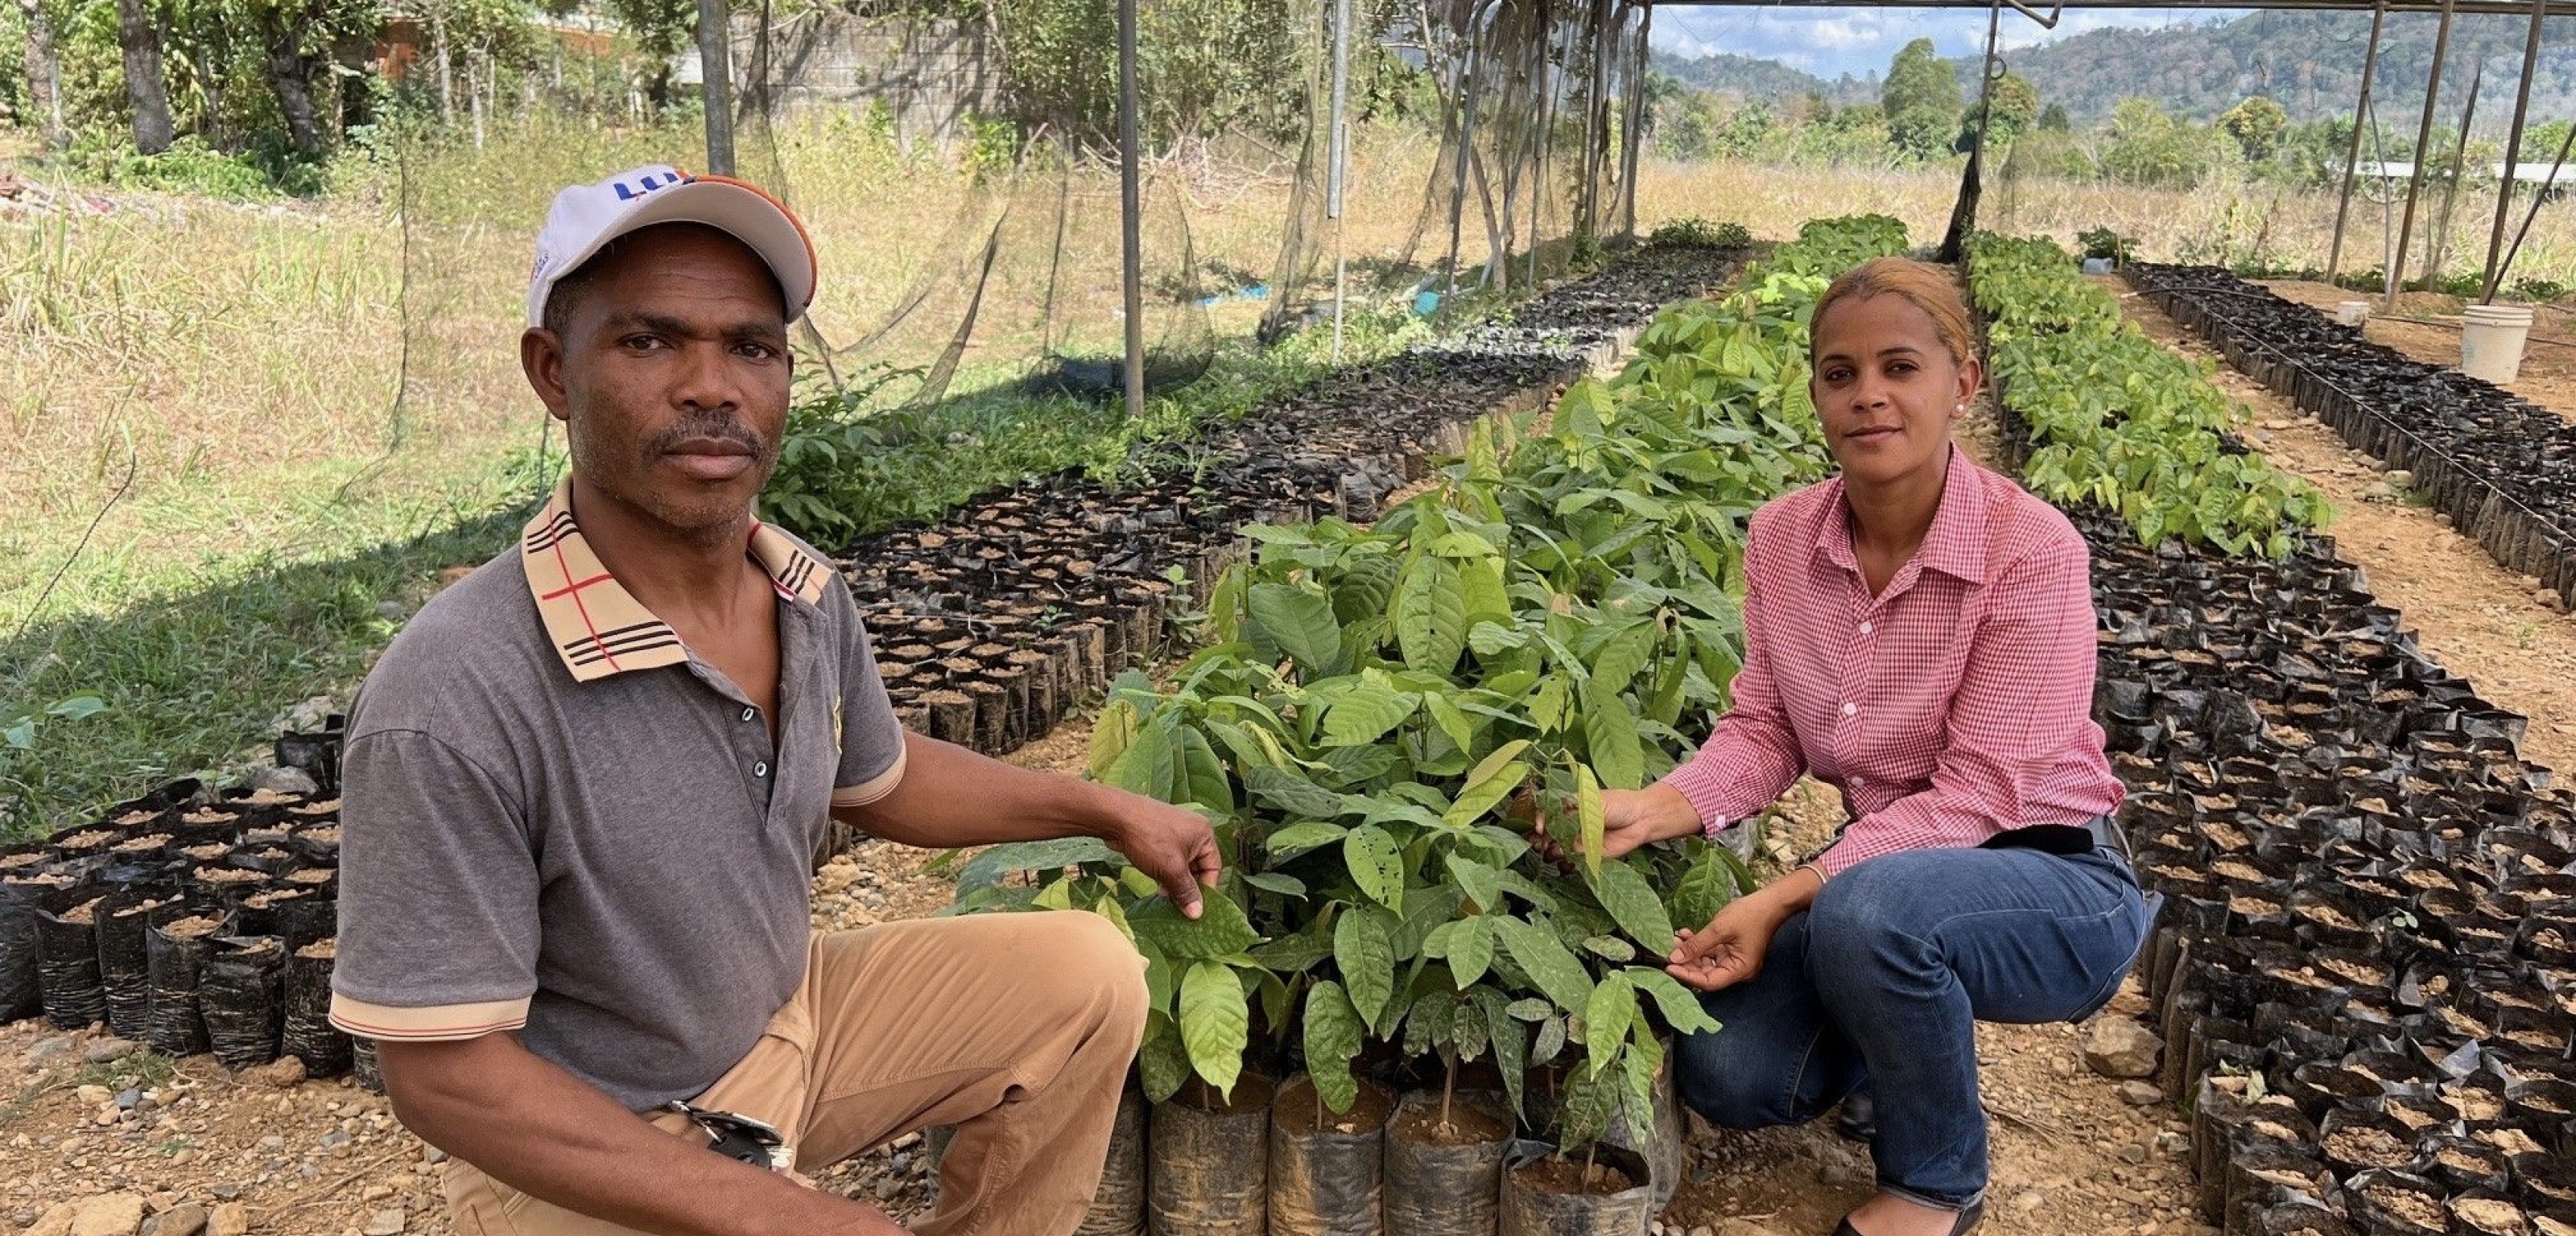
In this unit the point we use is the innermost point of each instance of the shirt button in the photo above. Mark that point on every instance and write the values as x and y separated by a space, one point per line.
1864 628
760 769
750 713
1849 709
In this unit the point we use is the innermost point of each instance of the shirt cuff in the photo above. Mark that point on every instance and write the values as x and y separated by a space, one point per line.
1699 786
875 787
441 1023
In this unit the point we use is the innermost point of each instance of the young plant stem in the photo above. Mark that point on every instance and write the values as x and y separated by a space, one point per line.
1448 1087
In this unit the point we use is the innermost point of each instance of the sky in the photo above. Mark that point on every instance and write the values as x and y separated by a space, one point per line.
1831 42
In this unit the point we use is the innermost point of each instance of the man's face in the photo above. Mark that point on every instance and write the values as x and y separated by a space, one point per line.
671 376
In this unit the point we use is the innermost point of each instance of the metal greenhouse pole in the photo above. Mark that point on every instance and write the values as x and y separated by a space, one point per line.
715 74
2513 150
2423 138
1130 211
1337 141
2352 154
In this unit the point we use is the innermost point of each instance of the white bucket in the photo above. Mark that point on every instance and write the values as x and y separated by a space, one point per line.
2491 340
2352 312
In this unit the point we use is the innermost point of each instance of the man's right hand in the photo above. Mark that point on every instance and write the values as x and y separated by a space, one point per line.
492 1103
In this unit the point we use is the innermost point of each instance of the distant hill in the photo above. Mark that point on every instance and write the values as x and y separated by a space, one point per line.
1751 78
2309 62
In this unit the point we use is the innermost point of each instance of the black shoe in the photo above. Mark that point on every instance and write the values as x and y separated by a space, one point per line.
1964 1224
1858 1120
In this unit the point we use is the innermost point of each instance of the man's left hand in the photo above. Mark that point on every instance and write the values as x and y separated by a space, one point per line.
1173 845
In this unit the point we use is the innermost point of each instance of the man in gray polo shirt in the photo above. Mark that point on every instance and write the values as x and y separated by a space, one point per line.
584 789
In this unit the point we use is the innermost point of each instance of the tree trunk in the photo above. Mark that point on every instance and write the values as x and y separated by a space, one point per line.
44 83
140 40
290 73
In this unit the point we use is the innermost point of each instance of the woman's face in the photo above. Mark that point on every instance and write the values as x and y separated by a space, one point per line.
1886 389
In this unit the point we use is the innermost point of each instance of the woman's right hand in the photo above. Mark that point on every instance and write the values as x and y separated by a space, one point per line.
1630 819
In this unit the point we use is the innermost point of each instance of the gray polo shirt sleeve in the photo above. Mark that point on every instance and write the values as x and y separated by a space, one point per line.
438 894
872 748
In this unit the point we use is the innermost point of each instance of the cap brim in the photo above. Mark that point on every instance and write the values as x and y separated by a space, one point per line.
731 206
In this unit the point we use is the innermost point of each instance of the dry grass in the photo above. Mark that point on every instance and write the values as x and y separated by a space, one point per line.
243 359
2224 222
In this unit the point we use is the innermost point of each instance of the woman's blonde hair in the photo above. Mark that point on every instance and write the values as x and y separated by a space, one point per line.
1923 285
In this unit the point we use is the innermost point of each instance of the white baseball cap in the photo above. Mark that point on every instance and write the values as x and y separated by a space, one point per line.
585 218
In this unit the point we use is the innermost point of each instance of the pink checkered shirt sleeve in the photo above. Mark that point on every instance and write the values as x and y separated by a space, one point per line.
1752 755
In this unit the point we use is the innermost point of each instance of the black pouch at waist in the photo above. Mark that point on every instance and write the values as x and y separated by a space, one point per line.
2059 839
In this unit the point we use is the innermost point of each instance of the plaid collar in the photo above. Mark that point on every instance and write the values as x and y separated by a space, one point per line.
596 626
1954 545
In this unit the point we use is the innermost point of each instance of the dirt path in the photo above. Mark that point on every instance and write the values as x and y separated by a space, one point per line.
2477 619
2548 362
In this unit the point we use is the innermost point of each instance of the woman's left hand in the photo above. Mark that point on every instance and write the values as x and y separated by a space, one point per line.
1731 948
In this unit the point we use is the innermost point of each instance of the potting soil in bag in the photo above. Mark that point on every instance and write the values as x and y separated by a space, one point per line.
308 1034
362 1065
1600 1192
1207 1162
175 954
1325 1168
123 967
1659 1142
21 899
67 959
1445 1179
1118 1208
240 993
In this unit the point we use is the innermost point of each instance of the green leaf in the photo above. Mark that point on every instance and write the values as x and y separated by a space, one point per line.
1590 817
1705 888
988 868
1632 904
1220 930
1681 1008
1483 884
1552 967
1300 622
21 735
1203 774
1488 784
1489 637
1431 615
1274 882
1288 792
1333 1035
1605 1018
1610 738
1364 950
77 707
1149 766
1511 1043
1303 836
1161 1061
1375 865
1610 948
1366 713
1111 734
1291 954
1616 665
1216 1022
1471 950
1551 1040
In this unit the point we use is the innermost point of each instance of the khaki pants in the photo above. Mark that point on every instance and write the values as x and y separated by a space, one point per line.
1017 1029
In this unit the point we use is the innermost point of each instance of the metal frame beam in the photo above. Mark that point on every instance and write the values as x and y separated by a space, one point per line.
2552 8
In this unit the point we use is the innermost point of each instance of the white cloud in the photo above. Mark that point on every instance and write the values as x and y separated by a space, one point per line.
1832 41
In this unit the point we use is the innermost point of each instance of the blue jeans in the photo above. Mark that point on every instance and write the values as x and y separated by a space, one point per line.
1882 981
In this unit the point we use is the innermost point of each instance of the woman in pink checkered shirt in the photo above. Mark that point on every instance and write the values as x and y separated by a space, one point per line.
1920 635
